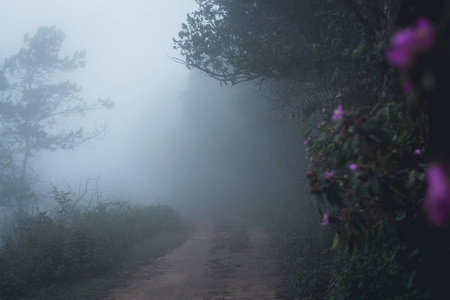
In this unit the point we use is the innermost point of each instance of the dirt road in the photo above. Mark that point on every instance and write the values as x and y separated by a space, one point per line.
212 264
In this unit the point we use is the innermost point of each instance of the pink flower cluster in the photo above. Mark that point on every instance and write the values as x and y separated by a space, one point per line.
326 219
338 113
409 41
353 167
329 174
437 198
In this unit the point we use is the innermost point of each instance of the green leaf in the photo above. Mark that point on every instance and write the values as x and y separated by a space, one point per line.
373 181
410 279
336 241
333 194
369 127
400 216
384 137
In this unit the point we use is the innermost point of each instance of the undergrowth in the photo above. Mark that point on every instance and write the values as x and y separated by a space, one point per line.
58 258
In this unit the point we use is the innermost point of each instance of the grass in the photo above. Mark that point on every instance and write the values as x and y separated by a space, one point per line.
47 259
143 253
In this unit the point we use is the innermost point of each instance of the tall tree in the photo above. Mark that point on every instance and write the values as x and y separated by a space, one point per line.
35 102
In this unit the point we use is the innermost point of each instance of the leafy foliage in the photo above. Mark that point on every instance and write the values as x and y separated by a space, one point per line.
375 199
368 276
43 252
369 197
369 158
318 42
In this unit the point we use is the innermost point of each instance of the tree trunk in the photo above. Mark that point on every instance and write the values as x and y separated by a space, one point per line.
21 195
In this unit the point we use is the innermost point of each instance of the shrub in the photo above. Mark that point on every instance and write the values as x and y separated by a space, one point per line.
380 174
43 253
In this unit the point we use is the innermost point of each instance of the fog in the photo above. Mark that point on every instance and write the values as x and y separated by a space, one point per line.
224 149
173 136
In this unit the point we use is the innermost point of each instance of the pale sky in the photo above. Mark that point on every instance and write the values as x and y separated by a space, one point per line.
128 46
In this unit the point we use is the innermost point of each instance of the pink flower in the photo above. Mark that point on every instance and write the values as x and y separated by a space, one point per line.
407 42
339 95
408 87
417 152
403 46
338 112
353 167
437 197
307 141
330 174
425 34
323 109
326 220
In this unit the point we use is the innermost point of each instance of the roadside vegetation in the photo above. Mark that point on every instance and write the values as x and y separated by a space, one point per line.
79 244
80 254
366 83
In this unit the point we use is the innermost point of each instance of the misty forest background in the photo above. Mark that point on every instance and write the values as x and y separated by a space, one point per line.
294 116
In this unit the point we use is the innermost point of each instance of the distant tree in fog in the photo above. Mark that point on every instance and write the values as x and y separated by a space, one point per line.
34 102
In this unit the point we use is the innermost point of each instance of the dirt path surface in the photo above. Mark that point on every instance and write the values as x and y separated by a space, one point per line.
214 263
